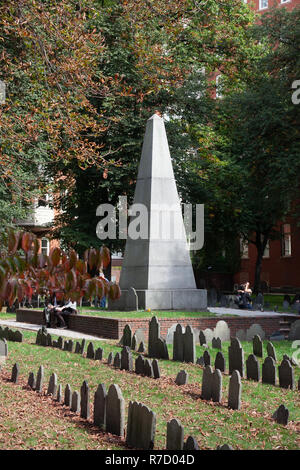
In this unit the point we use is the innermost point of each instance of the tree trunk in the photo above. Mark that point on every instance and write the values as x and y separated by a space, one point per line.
260 243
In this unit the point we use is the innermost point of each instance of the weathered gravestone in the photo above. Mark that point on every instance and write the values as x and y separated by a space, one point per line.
175 435
110 358
294 333
139 365
15 373
178 344
286 375
127 336
156 369
216 389
59 394
236 357
68 395
224 447
269 371
148 371
252 368
115 411
31 381
191 444
271 351
117 360
3 351
90 352
206 390
40 380
182 378
99 354
202 338
100 406
206 358
281 415
216 343
189 347
140 426
200 361
75 404
257 346
220 362
157 346
60 342
235 391
133 343
126 359
254 330
141 347
85 400
52 387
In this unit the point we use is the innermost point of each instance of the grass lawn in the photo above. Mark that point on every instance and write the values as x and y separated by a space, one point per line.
30 420
93 311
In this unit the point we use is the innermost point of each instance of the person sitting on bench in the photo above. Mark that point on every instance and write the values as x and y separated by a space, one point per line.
69 308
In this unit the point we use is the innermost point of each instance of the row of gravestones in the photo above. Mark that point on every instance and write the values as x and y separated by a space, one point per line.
10 335
175 438
236 362
131 340
44 339
109 412
212 386
143 366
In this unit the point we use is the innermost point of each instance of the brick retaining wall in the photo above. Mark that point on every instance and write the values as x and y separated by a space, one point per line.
105 327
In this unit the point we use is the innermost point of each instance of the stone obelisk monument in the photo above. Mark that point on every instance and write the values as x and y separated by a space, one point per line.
157 272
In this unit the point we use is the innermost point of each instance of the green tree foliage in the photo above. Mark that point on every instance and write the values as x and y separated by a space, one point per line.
250 156
157 53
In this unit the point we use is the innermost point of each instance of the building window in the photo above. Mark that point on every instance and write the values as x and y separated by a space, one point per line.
244 249
286 245
263 4
267 250
45 246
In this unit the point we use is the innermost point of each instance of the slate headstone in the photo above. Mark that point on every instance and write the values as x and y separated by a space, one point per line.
202 338
236 357
220 362
127 336
182 378
281 415
31 381
216 388
110 358
178 344
175 435
52 387
252 368
100 406
257 345
156 369
189 347
75 404
90 353
271 351
286 375
235 390
40 380
117 360
216 343
99 354
207 358
15 373
115 411
148 371
139 365
126 359
85 400
141 426
269 371
191 444
207 378
68 396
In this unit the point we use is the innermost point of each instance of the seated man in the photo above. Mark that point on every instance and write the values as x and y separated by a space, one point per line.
244 293
69 307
